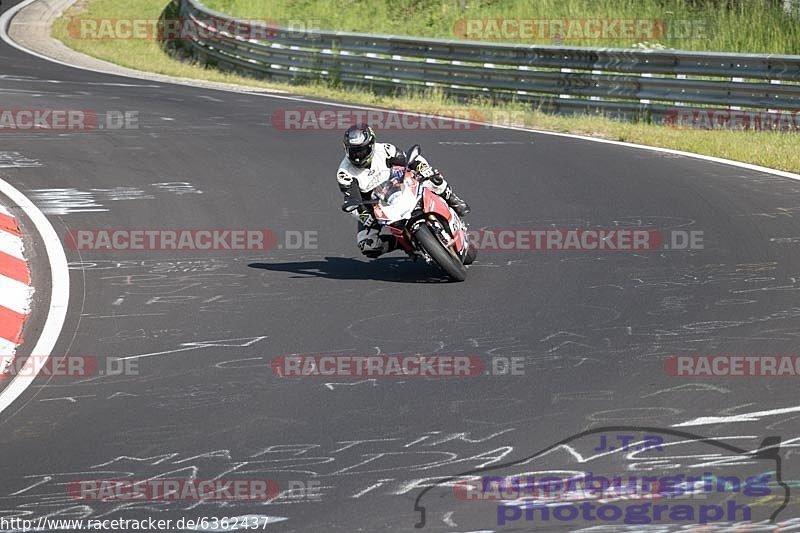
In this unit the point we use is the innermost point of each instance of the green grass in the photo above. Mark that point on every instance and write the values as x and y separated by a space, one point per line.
775 150
755 26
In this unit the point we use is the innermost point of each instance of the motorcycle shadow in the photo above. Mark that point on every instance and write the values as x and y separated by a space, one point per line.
392 269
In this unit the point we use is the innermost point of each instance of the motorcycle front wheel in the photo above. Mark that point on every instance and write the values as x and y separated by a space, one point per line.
447 261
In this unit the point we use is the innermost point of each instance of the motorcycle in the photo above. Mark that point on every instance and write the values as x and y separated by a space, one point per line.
419 220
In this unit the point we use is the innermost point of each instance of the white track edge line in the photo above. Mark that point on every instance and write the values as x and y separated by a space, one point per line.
59 297
6 17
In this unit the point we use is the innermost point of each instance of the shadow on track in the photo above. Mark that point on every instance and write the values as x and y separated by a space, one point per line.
396 270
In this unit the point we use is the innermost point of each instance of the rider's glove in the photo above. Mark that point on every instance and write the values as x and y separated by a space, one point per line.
366 218
352 207
399 159
430 173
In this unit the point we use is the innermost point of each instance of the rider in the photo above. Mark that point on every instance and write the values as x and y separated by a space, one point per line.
363 168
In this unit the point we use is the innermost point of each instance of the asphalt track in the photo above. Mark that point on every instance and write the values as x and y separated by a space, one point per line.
593 328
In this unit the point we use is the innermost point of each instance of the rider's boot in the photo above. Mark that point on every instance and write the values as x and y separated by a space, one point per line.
459 206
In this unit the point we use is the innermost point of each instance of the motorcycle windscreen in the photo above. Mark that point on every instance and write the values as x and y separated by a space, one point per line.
396 200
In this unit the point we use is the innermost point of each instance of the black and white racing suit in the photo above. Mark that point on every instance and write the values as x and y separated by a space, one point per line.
357 183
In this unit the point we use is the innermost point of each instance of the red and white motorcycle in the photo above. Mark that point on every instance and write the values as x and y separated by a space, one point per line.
420 221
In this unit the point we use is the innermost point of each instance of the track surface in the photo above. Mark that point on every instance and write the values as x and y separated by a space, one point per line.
593 328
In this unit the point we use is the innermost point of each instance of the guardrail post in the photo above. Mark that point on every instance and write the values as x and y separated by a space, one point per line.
565 95
645 100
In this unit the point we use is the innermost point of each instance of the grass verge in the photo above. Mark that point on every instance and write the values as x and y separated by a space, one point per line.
770 149
754 26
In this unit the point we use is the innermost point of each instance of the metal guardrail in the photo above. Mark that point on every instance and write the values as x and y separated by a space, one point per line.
626 83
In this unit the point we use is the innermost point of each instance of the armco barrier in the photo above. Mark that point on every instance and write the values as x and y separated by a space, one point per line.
625 83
